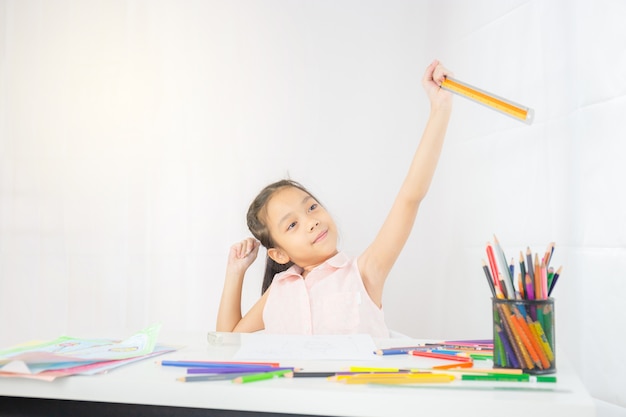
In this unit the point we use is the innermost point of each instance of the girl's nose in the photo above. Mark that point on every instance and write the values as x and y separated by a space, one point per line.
314 224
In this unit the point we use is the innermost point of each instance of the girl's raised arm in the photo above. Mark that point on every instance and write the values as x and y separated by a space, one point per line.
377 260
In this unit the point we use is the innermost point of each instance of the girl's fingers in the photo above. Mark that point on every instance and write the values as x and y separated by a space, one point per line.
429 73
435 73
248 246
440 74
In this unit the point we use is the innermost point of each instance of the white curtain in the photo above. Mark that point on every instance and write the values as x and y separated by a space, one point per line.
133 135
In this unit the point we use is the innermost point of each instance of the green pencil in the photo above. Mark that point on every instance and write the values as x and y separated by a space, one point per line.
509 378
499 377
211 377
261 376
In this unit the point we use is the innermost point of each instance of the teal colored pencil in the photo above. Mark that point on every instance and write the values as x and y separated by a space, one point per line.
554 279
522 267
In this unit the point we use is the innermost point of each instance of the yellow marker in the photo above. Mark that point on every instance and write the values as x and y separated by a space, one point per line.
490 100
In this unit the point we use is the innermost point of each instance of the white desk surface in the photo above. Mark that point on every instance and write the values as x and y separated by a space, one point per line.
148 383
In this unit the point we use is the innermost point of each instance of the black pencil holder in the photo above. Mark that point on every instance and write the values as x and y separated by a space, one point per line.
523 335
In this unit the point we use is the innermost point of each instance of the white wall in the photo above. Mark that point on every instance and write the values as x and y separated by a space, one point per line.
133 135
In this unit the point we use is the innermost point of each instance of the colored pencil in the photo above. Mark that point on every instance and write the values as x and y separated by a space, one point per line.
520 352
301 374
232 370
529 260
506 275
453 366
550 277
489 278
536 343
539 340
189 364
494 266
487 371
544 340
544 280
526 343
538 286
397 350
548 254
199 378
557 274
477 344
440 356
530 290
394 378
509 378
261 376
364 369
508 349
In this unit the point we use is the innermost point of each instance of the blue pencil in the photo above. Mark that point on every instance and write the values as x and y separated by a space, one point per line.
398 350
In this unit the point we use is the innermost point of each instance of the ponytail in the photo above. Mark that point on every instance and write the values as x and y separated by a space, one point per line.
272 268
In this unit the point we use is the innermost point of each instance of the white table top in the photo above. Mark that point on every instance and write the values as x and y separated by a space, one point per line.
148 383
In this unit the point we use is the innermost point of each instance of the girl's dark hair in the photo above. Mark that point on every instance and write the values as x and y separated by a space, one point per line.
258 228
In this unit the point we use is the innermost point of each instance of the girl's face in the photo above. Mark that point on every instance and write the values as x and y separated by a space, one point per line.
302 230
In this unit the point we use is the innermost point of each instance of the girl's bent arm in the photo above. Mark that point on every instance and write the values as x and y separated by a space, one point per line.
378 259
253 320
229 319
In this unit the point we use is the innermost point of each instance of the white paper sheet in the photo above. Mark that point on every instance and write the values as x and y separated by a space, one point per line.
262 346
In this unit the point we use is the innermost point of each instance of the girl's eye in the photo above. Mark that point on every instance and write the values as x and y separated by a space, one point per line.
313 207
291 225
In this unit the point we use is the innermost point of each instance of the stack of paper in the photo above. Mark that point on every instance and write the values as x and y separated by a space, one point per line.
74 356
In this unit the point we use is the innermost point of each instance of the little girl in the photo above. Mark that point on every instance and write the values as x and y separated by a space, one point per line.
310 287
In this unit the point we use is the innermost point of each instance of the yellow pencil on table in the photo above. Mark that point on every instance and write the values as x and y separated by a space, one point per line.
508 107
486 371
385 374
399 378
374 369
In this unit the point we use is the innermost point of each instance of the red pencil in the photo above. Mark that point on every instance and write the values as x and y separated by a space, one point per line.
494 267
440 356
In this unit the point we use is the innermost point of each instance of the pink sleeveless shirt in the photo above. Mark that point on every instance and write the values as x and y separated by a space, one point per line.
331 300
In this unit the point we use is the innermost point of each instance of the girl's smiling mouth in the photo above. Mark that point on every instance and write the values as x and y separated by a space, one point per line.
321 236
